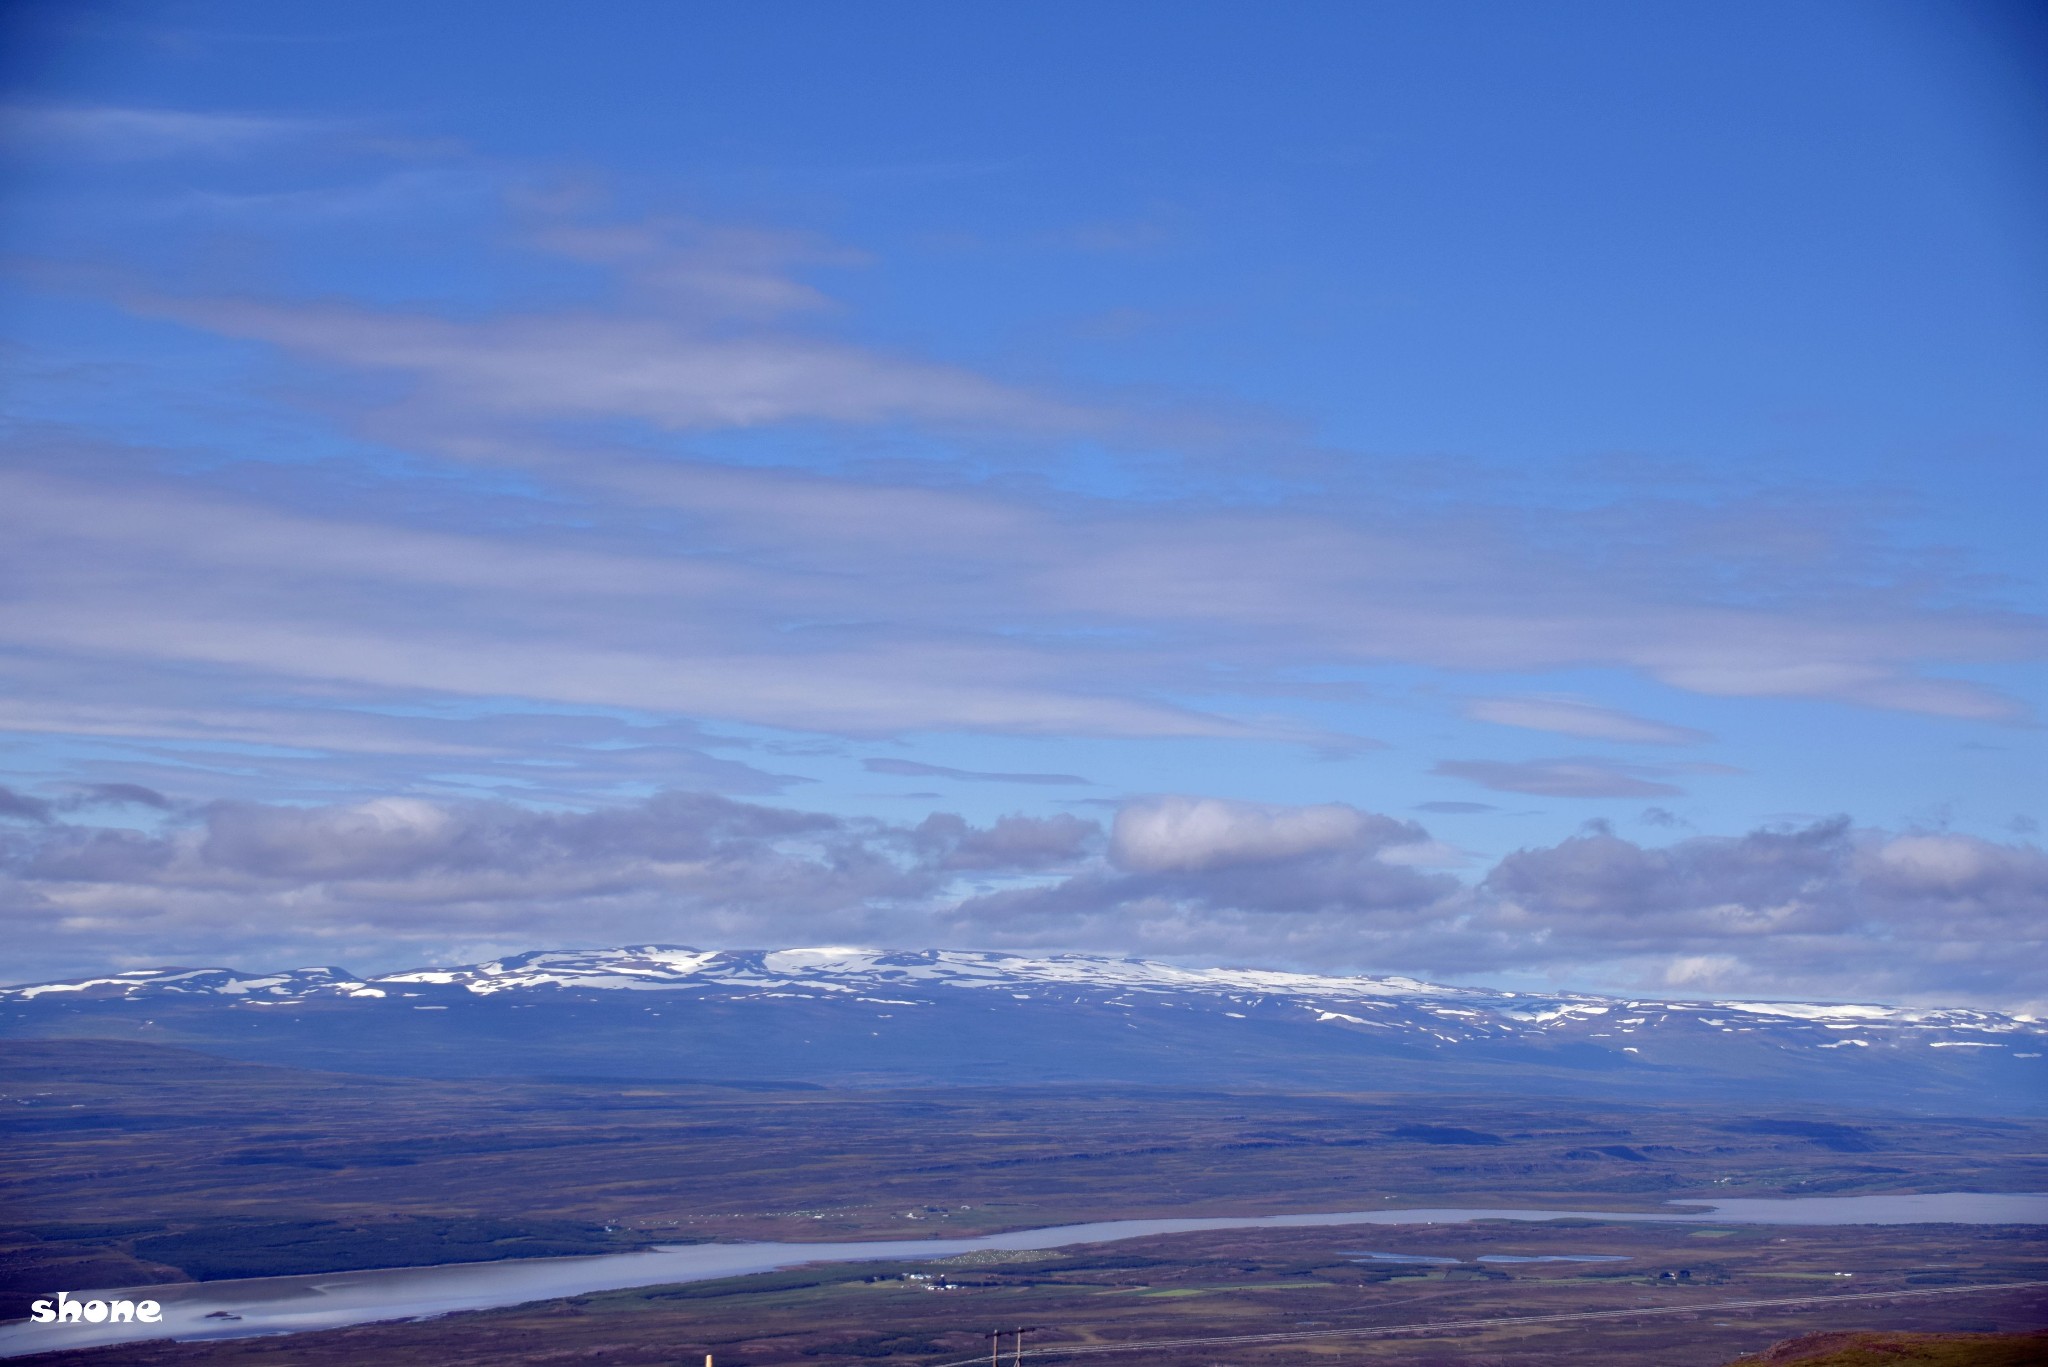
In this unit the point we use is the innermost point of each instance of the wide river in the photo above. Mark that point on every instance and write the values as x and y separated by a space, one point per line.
289 1305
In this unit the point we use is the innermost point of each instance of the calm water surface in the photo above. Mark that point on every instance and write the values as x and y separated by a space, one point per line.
290 1305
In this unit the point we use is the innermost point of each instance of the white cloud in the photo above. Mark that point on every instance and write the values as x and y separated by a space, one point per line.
1960 867
1704 972
1184 834
1822 911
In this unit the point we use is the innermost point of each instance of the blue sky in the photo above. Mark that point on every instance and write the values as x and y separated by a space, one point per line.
1513 493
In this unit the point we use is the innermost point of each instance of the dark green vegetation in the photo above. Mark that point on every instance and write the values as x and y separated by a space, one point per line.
129 1163
1904 1350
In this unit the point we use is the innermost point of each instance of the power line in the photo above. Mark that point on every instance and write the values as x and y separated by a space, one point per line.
1448 1326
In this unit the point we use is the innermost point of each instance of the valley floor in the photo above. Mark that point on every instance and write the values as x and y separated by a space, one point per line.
128 1164
1213 1287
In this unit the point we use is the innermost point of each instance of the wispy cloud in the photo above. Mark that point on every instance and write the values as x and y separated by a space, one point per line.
705 270
934 598
1576 717
660 371
910 768
694 339
851 607
123 132
1569 777
254 589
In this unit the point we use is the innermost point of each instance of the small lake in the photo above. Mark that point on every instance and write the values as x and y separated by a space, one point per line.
290 1305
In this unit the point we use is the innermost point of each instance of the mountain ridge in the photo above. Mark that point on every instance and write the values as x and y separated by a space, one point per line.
915 976
839 1017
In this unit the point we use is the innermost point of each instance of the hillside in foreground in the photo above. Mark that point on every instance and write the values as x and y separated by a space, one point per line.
1903 1350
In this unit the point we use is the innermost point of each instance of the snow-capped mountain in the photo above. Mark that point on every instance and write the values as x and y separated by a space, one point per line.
885 983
